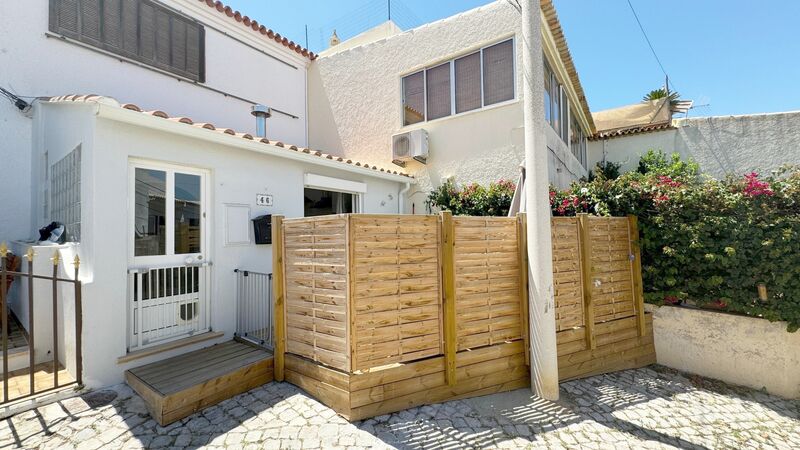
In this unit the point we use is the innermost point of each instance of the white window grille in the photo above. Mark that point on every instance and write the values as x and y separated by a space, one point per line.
65 193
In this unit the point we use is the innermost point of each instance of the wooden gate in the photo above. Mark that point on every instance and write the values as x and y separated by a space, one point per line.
600 320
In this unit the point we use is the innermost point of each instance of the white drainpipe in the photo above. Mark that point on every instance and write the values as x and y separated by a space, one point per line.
401 196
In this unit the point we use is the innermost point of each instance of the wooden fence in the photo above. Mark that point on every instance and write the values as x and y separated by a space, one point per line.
377 313
600 321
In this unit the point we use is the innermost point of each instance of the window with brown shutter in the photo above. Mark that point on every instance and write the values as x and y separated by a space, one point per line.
141 30
498 73
467 83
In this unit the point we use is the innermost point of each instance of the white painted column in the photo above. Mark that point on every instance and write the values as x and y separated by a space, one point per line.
544 358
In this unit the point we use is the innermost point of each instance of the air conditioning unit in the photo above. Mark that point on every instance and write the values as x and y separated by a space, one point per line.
410 145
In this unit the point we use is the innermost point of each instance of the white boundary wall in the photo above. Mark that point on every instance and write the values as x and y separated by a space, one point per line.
736 349
721 145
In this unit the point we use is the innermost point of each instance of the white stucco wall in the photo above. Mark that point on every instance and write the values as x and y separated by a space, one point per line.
721 145
236 176
36 65
736 349
355 103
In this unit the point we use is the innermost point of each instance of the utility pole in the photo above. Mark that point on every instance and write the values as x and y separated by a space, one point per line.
544 357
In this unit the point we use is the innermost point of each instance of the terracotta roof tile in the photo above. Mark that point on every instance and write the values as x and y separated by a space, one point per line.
254 25
648 128
208 126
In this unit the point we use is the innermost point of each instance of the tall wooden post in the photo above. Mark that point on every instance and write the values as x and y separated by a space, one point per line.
449 283
522 243
585 245
636 271
278 290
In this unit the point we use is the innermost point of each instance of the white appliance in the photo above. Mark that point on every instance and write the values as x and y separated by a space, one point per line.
410 145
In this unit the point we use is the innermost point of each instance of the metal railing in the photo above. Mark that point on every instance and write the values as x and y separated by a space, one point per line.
167 303
6 277
254 307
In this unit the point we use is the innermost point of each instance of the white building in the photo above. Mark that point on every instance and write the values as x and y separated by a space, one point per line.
459 79
223 65
157 196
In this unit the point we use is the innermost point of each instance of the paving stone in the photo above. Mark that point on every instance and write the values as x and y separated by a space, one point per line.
645 408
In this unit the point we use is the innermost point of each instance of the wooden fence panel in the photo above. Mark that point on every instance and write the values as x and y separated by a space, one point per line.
567 277
601 325
611 270
316 289
487 281
397 302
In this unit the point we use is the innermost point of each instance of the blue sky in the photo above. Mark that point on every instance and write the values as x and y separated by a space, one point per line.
738 56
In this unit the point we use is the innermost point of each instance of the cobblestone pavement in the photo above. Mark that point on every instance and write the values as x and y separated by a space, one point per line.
645 408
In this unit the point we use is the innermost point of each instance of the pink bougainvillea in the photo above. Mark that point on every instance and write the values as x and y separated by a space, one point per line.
667 181
753 187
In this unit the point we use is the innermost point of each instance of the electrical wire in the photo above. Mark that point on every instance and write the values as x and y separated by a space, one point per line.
644 33
16 100
647 39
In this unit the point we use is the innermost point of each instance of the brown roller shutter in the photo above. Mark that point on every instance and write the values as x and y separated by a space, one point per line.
112 23
178 44
194 51
142 30
130 27
147 33
90 21
163 47
64 17
498 73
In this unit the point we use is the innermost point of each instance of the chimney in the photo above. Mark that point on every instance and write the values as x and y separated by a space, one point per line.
262 113
334 39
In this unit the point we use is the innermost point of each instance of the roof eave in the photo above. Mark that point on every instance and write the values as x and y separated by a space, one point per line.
554 25
175 127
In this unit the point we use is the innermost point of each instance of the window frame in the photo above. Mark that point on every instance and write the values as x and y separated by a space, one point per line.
169 256
451 62
331 184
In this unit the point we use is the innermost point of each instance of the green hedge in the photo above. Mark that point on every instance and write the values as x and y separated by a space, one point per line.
704 240
473 199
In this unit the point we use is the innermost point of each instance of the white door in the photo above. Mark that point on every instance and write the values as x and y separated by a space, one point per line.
168 261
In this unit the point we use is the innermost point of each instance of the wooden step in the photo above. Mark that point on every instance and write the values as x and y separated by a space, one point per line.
182 385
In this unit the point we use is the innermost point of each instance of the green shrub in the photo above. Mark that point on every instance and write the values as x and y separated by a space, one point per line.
705 240
606 170
656 162
473 199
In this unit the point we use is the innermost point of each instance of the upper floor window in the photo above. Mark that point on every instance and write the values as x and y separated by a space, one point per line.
559 114
470 82
577 140
141 30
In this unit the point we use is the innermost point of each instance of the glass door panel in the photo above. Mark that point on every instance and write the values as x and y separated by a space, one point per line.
150 236
188 213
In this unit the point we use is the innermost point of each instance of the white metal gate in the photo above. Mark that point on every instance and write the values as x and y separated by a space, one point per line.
254 307
167 303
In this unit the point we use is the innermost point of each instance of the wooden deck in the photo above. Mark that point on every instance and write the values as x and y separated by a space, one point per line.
177 387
